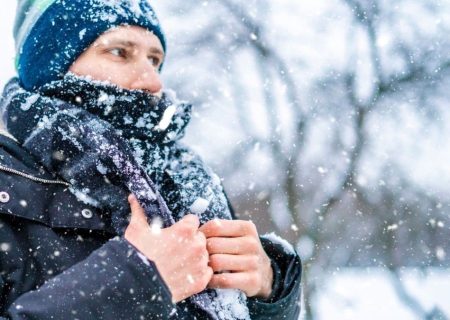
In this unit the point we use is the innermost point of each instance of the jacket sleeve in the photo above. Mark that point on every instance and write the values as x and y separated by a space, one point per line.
111 283
284 302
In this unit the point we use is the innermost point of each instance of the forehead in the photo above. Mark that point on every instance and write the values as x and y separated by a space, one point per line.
130 34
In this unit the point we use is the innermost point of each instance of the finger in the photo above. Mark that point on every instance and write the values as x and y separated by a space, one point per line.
238 280
228 228
233 263
137 212
138 223
239 245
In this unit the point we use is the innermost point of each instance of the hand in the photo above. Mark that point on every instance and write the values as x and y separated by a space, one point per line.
237 257
179 251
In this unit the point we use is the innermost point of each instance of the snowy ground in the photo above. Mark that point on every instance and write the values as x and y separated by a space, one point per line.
367 294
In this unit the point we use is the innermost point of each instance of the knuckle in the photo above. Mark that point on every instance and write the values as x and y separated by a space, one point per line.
192 219
253 244
251 227
183 226
253 262
214 262
192 216
209 244
219 280
224 281
253 279
184 230
213 244
214 226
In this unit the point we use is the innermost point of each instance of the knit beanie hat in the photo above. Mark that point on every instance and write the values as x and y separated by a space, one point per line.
51 34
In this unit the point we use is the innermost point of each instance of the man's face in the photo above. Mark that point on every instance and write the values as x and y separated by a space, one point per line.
127 56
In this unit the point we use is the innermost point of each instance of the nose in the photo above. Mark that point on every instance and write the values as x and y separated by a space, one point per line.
147 78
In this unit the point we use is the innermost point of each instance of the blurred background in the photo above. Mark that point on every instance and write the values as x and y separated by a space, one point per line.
329 122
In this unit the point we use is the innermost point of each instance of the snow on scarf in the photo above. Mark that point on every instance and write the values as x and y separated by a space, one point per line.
109 142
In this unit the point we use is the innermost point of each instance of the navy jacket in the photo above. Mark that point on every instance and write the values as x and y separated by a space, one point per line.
60 258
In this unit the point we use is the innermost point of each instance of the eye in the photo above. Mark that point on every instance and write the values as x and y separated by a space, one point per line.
118 52
155 61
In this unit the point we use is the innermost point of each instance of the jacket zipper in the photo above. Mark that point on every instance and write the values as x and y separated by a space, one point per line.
28 176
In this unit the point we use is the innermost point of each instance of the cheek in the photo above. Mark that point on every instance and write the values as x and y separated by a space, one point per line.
120 75
102 70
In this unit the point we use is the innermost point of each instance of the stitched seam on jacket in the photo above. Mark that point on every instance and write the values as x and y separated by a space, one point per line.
33 178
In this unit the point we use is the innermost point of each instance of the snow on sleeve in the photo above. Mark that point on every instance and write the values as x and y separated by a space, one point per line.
288 248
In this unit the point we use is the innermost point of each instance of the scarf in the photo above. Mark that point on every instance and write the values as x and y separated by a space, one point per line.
108 142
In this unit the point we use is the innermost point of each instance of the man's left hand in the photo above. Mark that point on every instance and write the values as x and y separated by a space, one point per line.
237 257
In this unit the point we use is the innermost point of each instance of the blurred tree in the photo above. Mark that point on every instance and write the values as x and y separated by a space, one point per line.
317 145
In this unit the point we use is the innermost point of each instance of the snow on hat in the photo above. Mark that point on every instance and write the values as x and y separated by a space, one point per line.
51 34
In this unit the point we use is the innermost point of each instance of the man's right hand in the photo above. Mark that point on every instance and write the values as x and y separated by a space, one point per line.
178 251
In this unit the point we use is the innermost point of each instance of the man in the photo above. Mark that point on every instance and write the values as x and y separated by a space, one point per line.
94 125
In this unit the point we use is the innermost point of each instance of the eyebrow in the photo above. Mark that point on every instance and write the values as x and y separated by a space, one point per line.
128 43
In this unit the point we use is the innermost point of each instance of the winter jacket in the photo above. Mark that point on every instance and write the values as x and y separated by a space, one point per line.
60 258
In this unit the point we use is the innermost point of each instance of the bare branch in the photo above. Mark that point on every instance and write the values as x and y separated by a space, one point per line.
263 48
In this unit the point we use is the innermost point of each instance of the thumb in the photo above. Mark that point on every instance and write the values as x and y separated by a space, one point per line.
137 212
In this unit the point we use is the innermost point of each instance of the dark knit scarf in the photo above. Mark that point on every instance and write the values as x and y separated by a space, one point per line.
109 142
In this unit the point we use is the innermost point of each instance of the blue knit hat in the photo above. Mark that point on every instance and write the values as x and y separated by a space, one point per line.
51 34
